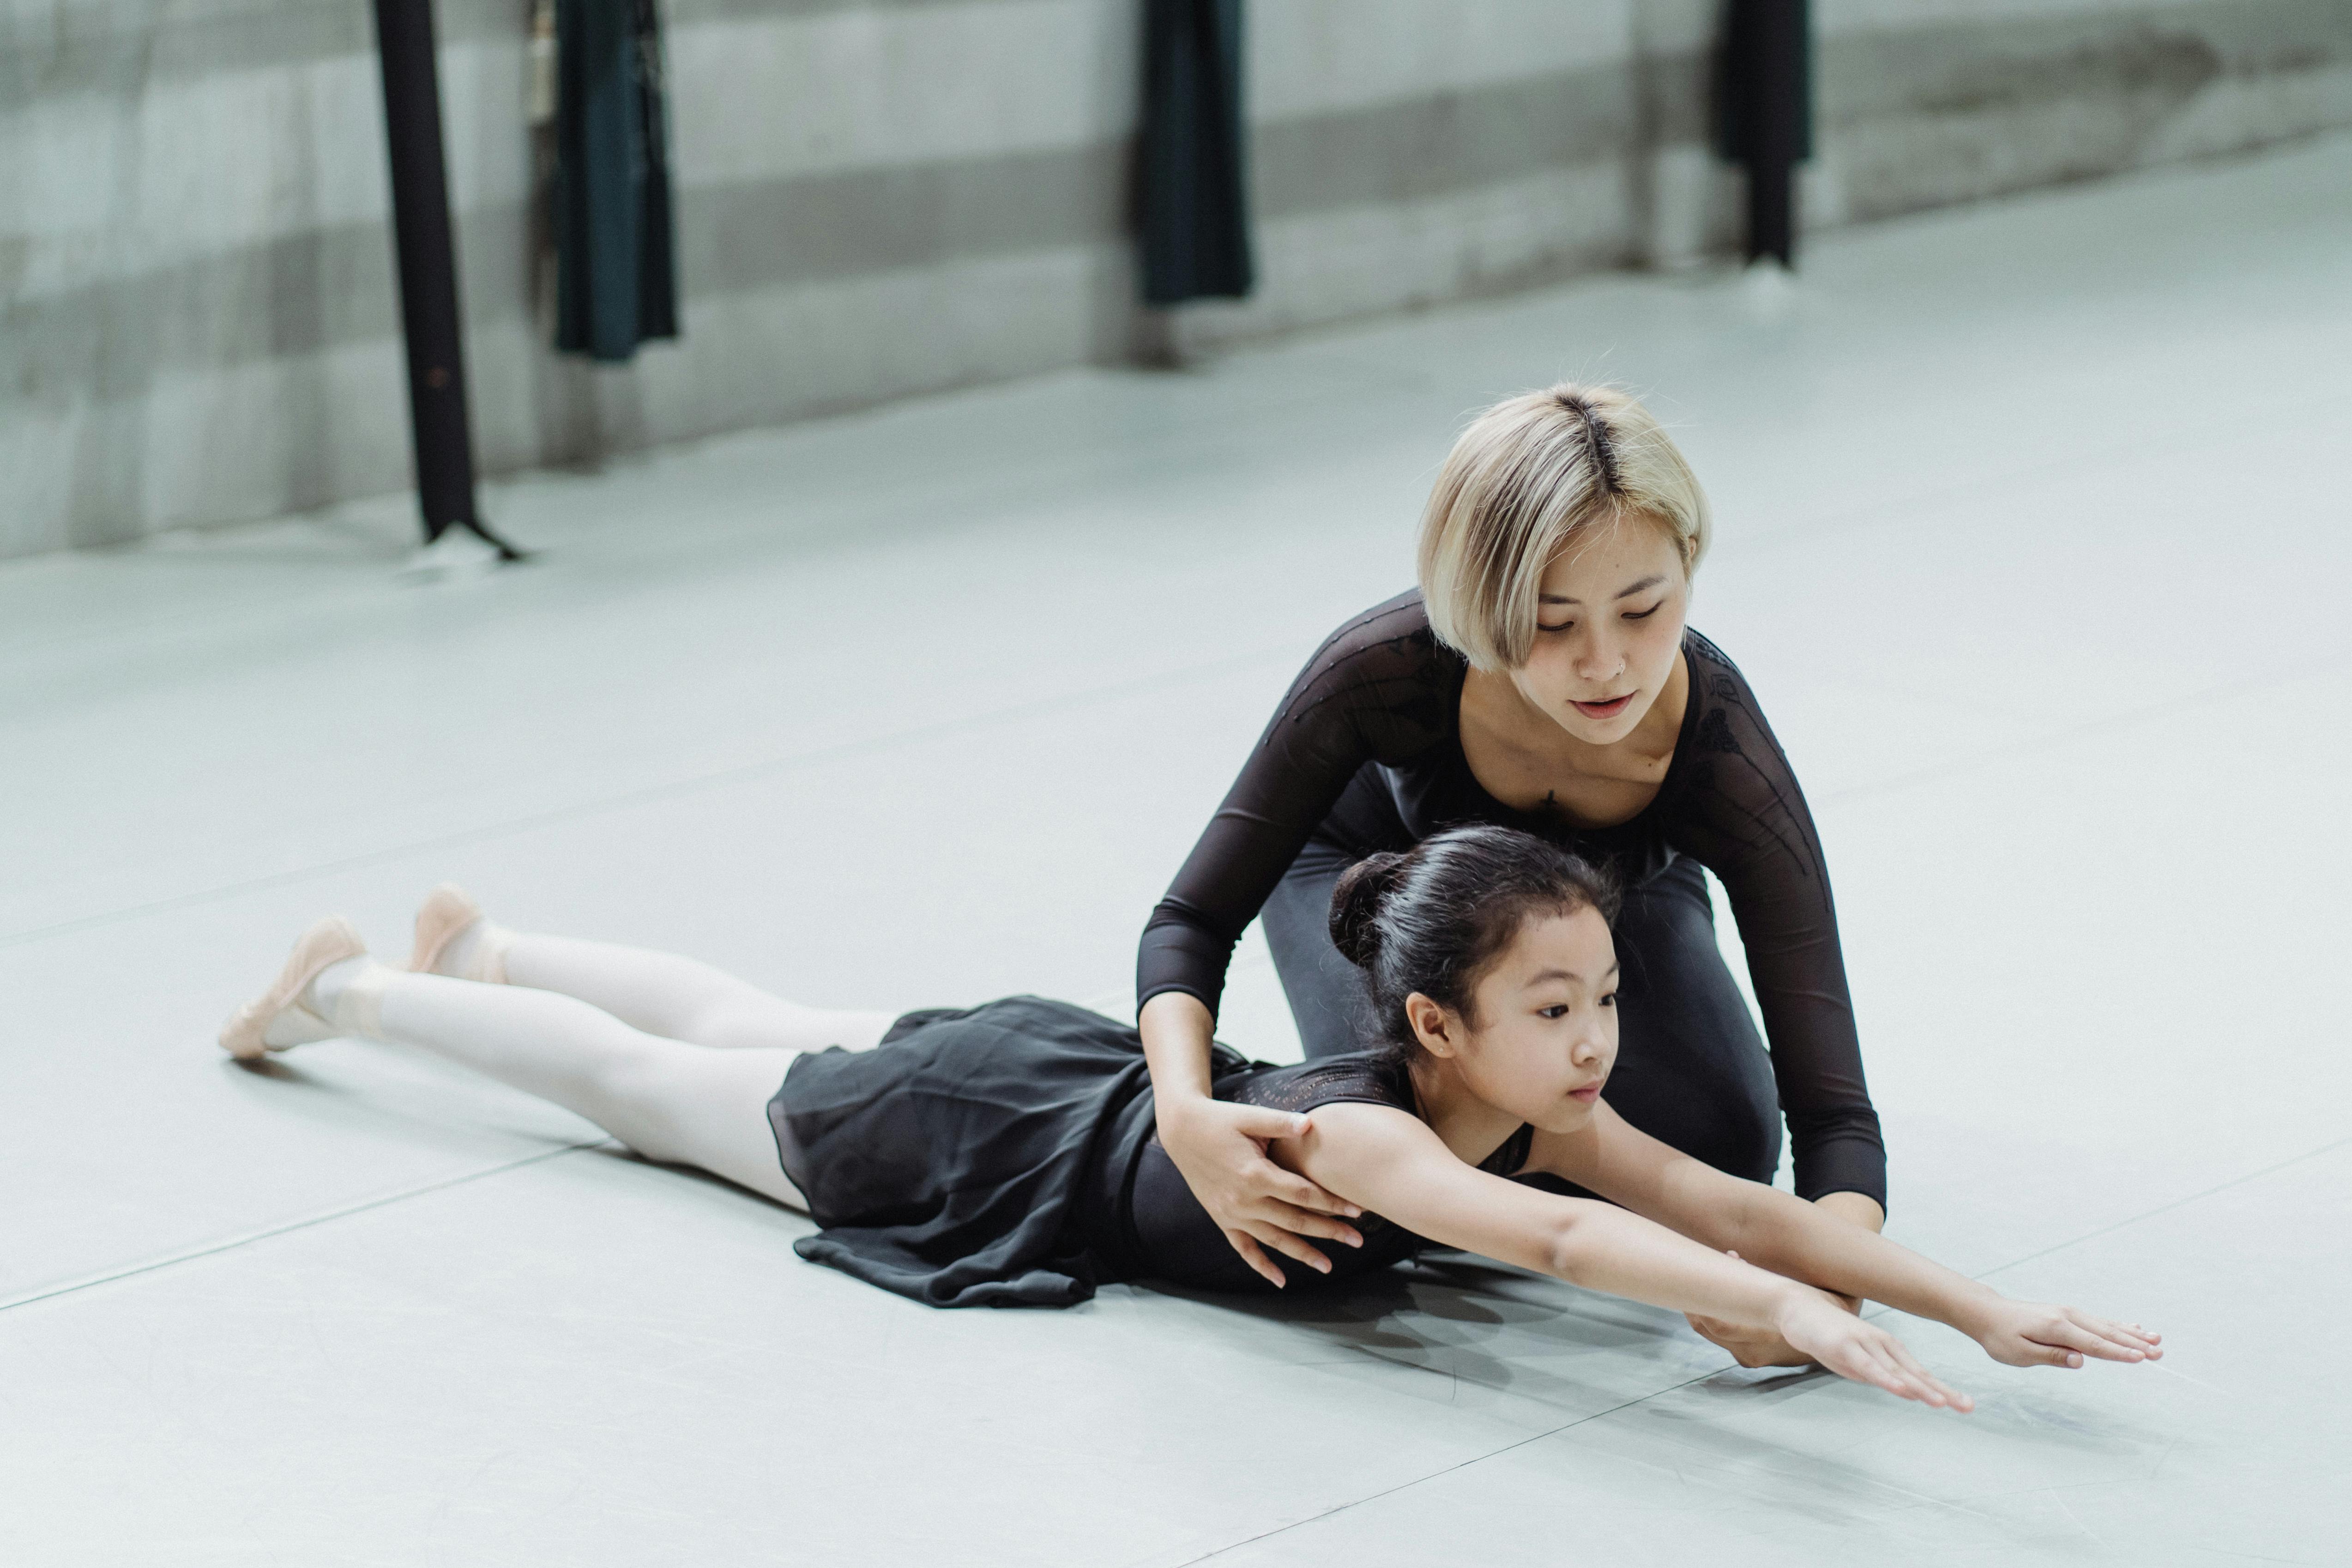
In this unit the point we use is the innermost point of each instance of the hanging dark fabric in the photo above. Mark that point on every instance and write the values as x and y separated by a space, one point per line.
616 283
1196 202
1765 113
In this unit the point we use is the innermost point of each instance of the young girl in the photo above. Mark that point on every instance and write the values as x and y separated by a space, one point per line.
1006 1154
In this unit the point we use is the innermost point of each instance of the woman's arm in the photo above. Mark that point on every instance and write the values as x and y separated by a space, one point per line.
1794 1239
1738 807
1391 1162
1220 1149
1353 703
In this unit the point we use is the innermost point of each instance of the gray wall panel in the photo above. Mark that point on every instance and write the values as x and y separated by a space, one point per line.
197 315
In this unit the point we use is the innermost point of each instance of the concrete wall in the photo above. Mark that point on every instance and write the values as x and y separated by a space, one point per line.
887 197
1926 103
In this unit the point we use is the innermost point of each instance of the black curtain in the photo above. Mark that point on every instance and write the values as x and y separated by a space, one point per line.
1195 216
1765 112
615 277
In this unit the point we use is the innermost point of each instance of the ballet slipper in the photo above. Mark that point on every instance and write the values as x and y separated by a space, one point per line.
447 912
279 1018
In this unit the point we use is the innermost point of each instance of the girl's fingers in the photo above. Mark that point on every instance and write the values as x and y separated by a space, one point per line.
1884 1372
1924 1389
2075 1335
1861 1362
1910 1363
1916 1380
2067 1335
1884 1362
1952 1399
2131 1336
1860 1366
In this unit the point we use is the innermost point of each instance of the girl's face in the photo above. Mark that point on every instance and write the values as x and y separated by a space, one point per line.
1609 621
1547 1026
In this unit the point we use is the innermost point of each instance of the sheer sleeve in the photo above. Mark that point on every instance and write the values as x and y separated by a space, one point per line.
1382 688
1738 811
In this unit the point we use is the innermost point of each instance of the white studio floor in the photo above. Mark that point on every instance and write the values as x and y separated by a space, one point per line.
2033 537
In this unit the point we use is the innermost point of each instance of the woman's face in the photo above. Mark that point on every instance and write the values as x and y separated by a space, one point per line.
1546 1025
1608 622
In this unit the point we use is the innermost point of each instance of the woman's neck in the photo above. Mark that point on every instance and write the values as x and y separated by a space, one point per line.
1526 759
1465 1123
1493 700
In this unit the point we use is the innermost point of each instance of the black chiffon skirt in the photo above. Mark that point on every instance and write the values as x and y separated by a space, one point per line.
956 1163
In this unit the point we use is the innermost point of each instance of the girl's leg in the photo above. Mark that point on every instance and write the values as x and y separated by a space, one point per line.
683 998
658 992
678 1103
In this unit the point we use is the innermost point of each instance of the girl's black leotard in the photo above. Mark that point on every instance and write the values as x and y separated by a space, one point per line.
1004 1156
1379 708
1168 1236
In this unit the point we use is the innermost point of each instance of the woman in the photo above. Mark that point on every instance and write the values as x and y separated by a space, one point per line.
1542 678
1006 1154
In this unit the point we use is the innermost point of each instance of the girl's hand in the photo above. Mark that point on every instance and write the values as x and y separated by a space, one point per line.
1817 1328
1220 1150
2028 1333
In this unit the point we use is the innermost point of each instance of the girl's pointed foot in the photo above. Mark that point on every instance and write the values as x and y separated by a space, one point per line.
453 938
283 1016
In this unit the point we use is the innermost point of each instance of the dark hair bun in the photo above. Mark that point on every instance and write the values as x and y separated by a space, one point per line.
1356 900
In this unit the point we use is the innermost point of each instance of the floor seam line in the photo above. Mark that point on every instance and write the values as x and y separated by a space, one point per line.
1630 1403
213 1248
2181 1202
1460 1465
648 795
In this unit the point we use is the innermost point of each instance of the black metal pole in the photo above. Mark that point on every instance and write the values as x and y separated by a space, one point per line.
428 272
1770 53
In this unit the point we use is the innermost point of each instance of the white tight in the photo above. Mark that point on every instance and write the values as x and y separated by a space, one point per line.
674 1058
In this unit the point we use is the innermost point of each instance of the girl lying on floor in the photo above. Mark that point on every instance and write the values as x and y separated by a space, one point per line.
1004 1155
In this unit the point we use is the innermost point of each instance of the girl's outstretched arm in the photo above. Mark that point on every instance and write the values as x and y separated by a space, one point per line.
1776 1231
1392 1163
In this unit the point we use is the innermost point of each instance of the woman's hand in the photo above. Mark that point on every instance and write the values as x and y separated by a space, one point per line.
1220 1150
1751 1347
1754 1347
1820 1329
2029 1333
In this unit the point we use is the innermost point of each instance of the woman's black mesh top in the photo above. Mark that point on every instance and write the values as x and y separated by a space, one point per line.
1384 692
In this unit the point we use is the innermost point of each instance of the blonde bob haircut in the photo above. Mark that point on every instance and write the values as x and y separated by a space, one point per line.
1530 476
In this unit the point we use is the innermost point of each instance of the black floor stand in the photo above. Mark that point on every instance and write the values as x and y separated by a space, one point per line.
428 274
